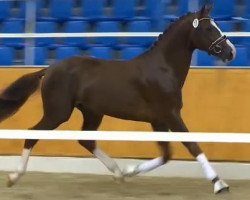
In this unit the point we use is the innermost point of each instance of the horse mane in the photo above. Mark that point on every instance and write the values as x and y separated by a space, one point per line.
169 28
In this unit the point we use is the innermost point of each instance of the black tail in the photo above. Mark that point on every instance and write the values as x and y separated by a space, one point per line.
14 96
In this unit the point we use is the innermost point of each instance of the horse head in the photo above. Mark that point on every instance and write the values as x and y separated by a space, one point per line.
207 36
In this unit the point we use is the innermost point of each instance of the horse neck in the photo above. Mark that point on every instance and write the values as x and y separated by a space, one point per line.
177 50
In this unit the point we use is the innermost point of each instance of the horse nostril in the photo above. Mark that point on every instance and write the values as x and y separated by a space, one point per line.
232 55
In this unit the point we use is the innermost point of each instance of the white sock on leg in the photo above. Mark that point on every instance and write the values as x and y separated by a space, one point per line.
107 161
207 168
150 165
144 167
21 169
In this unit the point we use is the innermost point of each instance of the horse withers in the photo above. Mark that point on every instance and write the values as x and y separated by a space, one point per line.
147 88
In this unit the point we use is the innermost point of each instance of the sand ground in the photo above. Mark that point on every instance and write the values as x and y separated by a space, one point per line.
45 186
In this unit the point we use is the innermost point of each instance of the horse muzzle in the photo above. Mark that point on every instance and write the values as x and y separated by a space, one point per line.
231 54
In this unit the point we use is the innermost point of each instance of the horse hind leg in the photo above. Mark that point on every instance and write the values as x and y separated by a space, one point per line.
54 115
92 121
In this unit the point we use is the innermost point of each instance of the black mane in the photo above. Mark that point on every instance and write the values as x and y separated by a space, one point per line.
169 28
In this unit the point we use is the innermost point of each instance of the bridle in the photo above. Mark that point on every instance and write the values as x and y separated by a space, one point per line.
215 46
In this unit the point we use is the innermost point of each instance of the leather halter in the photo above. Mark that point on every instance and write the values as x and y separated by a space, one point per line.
215 46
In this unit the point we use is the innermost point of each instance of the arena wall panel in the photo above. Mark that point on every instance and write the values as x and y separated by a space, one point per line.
215 100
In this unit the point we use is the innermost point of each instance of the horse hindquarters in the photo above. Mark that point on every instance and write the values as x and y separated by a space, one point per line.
58 106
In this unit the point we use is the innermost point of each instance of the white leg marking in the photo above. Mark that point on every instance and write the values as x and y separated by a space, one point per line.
207 168
144 167
21 169
108 162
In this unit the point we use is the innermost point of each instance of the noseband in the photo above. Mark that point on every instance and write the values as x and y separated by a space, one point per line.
215 46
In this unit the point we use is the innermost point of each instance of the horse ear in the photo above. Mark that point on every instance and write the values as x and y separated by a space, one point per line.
206 9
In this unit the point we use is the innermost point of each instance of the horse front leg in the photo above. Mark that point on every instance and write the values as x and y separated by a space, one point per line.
176 124
150 165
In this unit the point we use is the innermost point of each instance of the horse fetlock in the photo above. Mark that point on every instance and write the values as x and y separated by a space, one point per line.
220 186
130 171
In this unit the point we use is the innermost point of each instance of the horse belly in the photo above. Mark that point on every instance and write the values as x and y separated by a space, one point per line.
128 106
135 113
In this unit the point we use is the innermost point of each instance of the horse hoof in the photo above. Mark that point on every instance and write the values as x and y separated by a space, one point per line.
10 183
118 177
220 186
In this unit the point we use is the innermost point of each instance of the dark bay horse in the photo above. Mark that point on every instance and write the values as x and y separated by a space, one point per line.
147 88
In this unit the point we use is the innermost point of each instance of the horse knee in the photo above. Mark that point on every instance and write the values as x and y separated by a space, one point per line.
89 145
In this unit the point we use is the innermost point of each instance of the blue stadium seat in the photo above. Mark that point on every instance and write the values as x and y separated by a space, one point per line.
163 24
173 14
107 26
241 57
13 27
5 9
46 27
246 25
66 52
92 10
246 28
101 52
222 9
41 55
226 26
40 5
153 9
131 52
124 10
61 10
6 56
203 59
247 9
183 7
140 26
21 5
76 27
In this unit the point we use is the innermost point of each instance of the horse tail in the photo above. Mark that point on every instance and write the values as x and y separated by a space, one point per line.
17 93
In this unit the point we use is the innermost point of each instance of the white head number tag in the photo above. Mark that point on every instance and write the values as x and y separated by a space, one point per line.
195 23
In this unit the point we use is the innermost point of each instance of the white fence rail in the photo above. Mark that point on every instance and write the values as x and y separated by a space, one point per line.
106 34
126 136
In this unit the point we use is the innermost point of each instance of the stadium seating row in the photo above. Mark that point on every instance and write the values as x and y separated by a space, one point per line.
16 26
43 55
7 54
95 10
115 16
77 26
